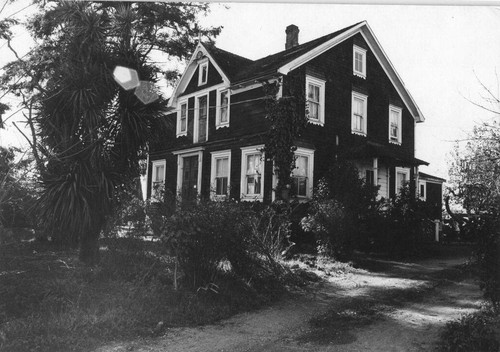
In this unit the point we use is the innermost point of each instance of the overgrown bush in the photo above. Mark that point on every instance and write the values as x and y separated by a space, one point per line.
212 239
400 225
341 207
472 332
488 255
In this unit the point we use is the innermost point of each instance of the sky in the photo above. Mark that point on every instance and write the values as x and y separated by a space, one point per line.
442 53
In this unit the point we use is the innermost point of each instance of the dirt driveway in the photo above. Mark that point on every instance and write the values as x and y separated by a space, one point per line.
392 306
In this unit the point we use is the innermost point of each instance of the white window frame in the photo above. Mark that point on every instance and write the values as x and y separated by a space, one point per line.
196 128
181 154
154 165
309 154
218 123
179 112
420 195
399 111
401 170
357 50
222 154
245 151
321 111
364 98
201 65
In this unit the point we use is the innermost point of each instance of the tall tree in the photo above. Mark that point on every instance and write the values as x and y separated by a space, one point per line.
90 131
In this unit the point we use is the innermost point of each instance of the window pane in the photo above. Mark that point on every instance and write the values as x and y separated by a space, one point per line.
221 186
159 173
224 101
183 117
358 62
204 72
203 109
300 166
221 167
253 164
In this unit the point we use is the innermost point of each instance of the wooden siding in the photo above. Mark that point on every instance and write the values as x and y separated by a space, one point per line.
213 78
248 125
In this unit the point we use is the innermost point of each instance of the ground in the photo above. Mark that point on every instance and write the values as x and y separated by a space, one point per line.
381 306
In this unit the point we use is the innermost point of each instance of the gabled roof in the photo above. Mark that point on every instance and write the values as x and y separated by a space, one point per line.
272 63
240 70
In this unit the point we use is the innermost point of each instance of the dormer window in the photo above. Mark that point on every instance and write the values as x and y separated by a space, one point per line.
203 72
359 61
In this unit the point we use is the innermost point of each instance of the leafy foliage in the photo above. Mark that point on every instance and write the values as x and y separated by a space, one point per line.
17 190
91 133
342 204
475 169
287 123
214 239
472 332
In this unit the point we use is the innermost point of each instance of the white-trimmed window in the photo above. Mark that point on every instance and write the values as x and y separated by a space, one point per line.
222 116
182 119
201 119
220 173
203 73
359 113
315 94
252 173
422 194
402 178
157 177
395 124
359 61
302 174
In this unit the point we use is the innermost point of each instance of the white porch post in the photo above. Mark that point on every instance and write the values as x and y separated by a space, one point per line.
375 171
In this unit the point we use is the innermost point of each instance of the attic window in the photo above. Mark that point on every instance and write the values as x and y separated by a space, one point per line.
203 73
359 61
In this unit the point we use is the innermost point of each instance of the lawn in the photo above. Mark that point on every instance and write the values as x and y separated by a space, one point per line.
51 302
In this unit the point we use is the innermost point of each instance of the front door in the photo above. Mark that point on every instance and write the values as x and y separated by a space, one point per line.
189 178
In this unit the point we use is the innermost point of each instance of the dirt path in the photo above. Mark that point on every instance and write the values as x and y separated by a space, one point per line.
394 306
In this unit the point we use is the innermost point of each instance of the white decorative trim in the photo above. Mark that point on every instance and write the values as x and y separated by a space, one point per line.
180 165
364 98
244 152
376 49
220 154
321 113
218 124
357 49
399 111
189 71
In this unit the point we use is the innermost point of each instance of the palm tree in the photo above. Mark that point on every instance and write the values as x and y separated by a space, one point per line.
92 131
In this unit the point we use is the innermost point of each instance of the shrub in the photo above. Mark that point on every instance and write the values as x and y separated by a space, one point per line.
472 332
341 204
210 239
400 224
488 254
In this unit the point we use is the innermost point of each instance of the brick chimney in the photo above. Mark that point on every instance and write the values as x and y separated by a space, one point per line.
292 36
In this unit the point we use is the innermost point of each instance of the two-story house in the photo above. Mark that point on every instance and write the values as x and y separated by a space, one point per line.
357 106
